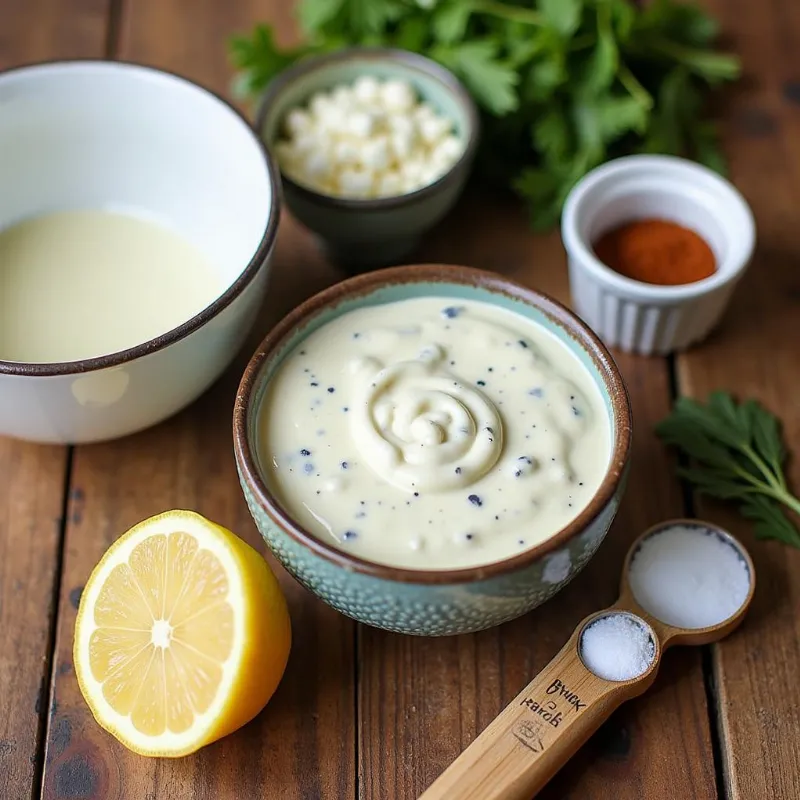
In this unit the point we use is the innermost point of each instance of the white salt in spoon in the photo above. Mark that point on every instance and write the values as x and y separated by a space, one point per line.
683 582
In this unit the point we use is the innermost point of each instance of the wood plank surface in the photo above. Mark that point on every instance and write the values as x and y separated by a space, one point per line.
363 713
422 701
33 477
756 353
302 747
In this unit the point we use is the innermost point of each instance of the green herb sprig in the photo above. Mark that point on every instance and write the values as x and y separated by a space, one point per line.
737 454
564 84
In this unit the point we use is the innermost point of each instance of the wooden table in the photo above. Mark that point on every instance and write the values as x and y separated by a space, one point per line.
362 713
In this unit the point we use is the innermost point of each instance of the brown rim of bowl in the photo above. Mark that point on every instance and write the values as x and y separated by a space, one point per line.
209 312
426 65
432 273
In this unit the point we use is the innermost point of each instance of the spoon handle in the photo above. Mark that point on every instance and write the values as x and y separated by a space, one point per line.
532 738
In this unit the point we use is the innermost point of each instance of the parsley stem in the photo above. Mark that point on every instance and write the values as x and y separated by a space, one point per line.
703 62
774 478
634 88
790 501
582 42
772 488
511 13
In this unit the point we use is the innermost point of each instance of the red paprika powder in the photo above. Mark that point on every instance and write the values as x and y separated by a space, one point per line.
656 251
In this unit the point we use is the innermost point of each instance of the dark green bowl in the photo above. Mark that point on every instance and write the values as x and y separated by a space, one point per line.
366 234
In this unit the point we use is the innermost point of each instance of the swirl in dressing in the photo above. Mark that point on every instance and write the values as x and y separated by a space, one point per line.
420 427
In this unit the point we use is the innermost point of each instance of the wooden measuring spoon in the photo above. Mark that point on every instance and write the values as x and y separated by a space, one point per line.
552 717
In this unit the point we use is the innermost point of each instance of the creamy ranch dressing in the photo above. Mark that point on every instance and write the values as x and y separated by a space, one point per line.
433 433
80 284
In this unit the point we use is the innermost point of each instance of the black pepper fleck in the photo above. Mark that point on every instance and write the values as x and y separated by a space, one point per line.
302 352
345 409
522 343
475 500
481 383
580 483
451 312
314 383
305 452
348 535
331 390
468 537
344 465
356 335
491 369
416 494
520 542
458 470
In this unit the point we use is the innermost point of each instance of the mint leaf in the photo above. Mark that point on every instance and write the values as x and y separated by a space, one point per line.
563 16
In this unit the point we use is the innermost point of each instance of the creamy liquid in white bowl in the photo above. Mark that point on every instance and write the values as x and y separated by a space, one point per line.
81 284
433 433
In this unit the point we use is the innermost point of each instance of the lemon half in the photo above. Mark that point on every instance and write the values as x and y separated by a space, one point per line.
182 635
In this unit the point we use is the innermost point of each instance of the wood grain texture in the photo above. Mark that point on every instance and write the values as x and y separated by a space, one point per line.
421 702
302 746
42 30
756 353
32 477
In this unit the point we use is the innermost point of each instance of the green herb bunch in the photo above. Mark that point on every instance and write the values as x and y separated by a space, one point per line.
564 84
736 454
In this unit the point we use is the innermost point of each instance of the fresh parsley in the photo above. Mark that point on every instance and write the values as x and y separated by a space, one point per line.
563 84
736 454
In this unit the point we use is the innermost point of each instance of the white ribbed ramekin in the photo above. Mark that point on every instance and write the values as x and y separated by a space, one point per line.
641 317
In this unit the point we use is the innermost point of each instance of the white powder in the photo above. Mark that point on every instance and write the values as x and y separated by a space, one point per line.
689 576
618 647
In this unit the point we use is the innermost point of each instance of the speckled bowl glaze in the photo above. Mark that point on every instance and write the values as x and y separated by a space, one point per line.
430 603
365 234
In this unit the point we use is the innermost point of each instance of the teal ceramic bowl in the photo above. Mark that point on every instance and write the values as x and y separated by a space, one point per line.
365 234
430 603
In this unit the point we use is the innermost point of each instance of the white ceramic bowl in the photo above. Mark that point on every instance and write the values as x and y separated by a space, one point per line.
641 317
102 135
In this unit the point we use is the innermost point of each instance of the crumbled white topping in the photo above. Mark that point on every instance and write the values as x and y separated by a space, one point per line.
370 139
